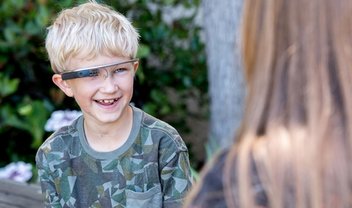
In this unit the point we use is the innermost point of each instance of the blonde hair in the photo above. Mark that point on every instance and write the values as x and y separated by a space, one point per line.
296 132
297 126
89 29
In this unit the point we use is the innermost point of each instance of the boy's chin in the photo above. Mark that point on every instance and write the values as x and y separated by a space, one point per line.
111 117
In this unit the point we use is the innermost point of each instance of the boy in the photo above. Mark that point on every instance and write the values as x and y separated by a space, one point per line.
114 155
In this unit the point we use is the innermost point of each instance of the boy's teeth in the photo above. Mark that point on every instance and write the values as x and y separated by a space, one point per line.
107 101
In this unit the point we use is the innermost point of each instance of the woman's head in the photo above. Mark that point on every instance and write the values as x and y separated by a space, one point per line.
297 57
297 124
90 29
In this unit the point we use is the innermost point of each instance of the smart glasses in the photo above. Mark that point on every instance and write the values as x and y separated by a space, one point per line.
98 71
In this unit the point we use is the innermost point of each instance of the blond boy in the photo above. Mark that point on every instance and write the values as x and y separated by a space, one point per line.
114 155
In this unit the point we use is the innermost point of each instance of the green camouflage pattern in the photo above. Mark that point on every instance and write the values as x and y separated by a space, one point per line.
150 170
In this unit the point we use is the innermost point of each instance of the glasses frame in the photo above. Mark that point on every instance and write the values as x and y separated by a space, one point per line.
91 71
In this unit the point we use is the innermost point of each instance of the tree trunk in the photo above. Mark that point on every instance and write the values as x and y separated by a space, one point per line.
226 87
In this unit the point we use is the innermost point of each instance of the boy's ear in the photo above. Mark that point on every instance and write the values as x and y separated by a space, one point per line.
62 84
135 66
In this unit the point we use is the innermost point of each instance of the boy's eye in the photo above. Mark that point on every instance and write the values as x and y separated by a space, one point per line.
119 70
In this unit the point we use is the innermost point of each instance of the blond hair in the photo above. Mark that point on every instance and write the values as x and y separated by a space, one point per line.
296 132
89 29
297 126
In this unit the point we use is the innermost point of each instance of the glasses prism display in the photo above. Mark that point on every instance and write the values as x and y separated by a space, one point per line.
92 71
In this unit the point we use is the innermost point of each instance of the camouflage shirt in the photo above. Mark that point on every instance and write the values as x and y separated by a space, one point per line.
151 169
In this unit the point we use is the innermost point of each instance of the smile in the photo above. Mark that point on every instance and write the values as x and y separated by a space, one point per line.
107 101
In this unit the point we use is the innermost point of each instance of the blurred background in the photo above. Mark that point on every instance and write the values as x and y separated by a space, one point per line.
189 74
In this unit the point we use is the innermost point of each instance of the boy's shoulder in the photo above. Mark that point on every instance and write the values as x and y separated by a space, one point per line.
149 121
157 128
61 138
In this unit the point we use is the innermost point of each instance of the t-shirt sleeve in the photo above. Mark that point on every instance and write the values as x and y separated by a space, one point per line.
175 174
46 180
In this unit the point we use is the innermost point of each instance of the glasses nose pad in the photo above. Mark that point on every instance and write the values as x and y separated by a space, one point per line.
106 74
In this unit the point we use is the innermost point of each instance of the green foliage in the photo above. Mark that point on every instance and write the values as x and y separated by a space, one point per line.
173 59
172 68
7 85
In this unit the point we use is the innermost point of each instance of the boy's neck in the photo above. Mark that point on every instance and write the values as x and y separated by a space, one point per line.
106 138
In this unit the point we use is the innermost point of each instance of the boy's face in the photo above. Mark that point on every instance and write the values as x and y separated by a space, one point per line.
105 96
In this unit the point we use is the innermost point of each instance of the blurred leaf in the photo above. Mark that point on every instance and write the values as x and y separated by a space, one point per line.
36 120
34 116
10 7
43 16
9 118
25 110
11 32
140 74
143 51
169 2
7 85
150 108
31 28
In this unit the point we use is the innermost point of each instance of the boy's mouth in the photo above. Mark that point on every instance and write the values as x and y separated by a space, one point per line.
107 101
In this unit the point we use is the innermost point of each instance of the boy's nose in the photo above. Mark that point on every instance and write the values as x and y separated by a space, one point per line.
109 84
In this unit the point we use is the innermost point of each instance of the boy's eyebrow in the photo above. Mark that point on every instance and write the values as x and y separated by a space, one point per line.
90 71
